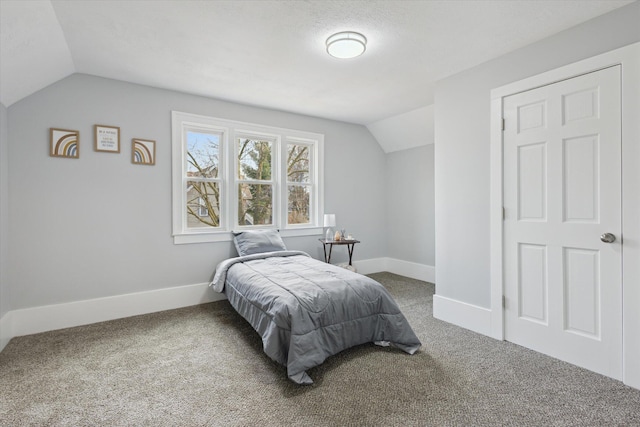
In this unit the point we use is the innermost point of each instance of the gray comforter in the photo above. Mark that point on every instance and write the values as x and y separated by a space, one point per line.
306 310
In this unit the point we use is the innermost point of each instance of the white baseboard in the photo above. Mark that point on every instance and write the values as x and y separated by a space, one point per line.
50 317
412 269
5 330
34 320
468 316
397 266
373 265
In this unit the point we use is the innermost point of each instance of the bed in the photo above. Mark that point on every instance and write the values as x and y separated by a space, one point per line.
306 310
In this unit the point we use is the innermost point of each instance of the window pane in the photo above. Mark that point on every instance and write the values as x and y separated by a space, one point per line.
298 163
203 154
203 204
255 204
254 159
298 202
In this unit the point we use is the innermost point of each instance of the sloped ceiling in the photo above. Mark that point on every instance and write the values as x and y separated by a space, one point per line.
404 131
272 53
34 52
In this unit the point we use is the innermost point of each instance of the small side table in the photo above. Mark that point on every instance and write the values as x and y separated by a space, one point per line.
350 245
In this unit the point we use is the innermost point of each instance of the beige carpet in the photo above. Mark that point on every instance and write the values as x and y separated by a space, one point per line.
204 366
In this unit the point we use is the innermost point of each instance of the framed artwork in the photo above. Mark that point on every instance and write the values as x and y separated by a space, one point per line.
143 151
107 138
64 143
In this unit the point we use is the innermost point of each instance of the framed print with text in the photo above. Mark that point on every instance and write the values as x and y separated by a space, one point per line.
107 138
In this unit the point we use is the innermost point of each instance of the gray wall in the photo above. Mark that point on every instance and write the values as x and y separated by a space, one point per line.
462 139
101 226
4 211
410 203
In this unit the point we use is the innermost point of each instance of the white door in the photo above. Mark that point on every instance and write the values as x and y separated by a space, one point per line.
562 193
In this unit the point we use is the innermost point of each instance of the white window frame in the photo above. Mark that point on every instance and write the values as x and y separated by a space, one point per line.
275 141
230 131
222 167
314 176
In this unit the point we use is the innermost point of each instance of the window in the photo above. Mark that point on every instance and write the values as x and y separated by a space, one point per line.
230 175
203 210
202 174
299 186
254 181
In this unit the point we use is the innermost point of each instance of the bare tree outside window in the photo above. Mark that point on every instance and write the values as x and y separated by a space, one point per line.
203 187
298 184
229 175
255 188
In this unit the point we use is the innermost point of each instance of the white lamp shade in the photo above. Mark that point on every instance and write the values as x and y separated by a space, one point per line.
346 44
329 220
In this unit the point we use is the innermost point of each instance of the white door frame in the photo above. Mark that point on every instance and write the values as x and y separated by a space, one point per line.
629 59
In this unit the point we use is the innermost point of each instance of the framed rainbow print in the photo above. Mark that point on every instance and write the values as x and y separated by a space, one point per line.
64 143
143 151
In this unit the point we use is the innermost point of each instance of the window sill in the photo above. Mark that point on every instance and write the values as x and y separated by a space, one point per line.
227 236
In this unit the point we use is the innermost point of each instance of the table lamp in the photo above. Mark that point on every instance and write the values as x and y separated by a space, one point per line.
329 221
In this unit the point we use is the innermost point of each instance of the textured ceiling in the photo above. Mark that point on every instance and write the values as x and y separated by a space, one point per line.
272 53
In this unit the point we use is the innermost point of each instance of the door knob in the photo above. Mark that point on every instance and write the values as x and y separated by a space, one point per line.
608 238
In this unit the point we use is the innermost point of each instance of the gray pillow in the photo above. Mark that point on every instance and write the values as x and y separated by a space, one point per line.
258 241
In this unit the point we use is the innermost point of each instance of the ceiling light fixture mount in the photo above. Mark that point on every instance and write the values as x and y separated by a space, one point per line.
346 44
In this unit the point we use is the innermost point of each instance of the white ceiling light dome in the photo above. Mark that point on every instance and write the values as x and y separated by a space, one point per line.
346 44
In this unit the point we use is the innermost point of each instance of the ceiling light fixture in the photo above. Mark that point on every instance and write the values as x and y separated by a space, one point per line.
346 44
